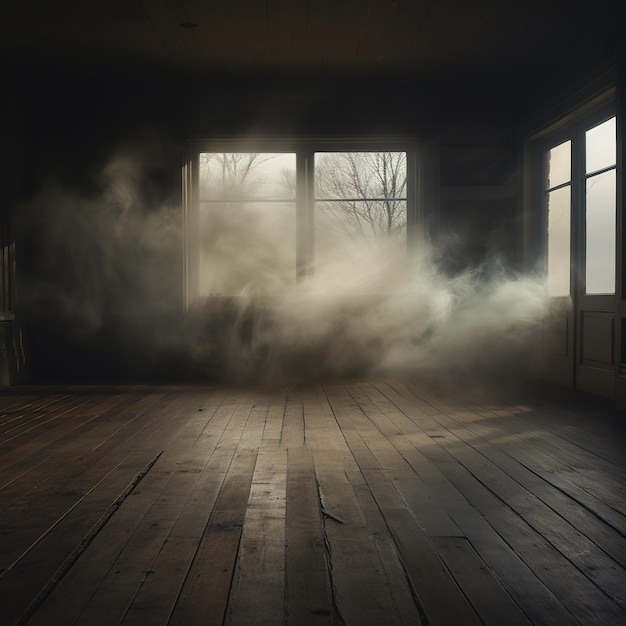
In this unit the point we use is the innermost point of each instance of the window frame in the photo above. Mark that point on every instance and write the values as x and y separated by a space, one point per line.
305 150
572 127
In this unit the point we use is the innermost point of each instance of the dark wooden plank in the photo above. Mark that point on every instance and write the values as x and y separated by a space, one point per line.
381 434
53 498
431 462
205 594
564 434
73 592
584 600
174 513
483 589
436 590
36 456
27 420
159 591
479 492
272 432
293 425
24 410
179 469
598 442
258 593
440 598
60 529
309 594
38 568
521 459
534 448
369 584
596 549
406 609
452 504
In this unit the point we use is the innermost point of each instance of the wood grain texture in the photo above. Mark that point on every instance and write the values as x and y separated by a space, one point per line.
349 502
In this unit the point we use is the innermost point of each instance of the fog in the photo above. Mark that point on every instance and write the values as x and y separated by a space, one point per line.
376 312
103 271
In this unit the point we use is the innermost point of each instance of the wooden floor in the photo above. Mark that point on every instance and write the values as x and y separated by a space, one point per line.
368 502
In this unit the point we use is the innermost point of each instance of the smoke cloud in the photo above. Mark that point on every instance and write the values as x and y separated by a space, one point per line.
377 313
105 271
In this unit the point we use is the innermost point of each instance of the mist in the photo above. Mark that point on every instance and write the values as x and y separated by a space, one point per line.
379 313
101 274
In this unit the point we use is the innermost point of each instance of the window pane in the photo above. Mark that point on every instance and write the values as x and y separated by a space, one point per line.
338 224
246 247
600 146
559 242
559 165
246 226
360 175
600 247
360 205
247 175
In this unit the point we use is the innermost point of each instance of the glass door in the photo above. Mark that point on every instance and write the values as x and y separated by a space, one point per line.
596 305
579 197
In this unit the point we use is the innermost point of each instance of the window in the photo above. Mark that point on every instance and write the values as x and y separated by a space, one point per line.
580 187
247 201
255 221
359 197
600 188
558 202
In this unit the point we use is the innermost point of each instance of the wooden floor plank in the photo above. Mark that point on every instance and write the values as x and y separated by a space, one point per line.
309 597
258 594
56 497
30 441
97 488
293 424
356 502
440 598
40 455
596 549
436 590
538 601
526 541
551 464
205 594
136 560
420 498
364 593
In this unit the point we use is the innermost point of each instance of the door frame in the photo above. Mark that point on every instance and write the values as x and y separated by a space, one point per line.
563 350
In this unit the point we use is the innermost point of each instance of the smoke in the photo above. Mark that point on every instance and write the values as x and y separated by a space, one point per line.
87 257
376 312
104 270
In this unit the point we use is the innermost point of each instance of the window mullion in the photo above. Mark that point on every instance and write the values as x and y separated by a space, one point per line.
305 193
579 214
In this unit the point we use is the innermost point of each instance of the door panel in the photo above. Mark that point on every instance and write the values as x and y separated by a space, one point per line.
580 201
558 342
597 337
597 304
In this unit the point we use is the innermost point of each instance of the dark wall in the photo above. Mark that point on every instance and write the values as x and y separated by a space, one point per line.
97 216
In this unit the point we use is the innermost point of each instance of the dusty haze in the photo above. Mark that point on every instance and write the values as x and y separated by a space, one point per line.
113 260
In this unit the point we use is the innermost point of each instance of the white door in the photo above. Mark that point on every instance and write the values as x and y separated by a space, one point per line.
581 215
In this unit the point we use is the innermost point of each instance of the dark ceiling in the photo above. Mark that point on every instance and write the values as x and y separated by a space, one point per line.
312 36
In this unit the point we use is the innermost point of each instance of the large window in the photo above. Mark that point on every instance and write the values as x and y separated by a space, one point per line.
360 198
558 202
246 224
580 188
258 220
600 188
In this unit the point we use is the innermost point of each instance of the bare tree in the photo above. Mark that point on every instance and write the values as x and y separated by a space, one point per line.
231 175
243 225
361 193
